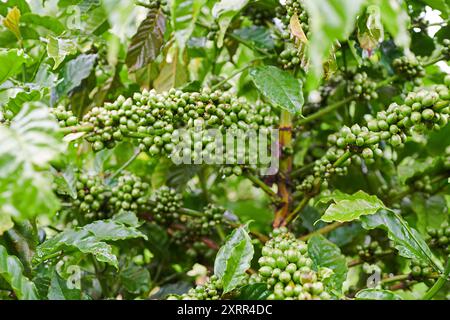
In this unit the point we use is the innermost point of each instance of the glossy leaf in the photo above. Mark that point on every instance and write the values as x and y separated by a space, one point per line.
326 254
431 212
376 294
31 140
280 87
60 290
29 143
259 36
407 241
59 48
350 207
184 14
135 279
224 11
11 62
256 291
48 22
11 270
15 103
233 259
88 240
74 72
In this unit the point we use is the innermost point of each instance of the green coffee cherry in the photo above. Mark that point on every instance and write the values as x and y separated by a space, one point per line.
408 67
211 290
293 277
129 194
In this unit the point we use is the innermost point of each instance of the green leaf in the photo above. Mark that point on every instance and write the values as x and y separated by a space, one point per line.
30 141
28 144
12 21
21 241
331 20
396 21
15 103
410 167
173 73
11 270
146 44
350 207
407 240
111 230
370 29
376 294
78 239
22 5
326 254
74 72
184 14
27 194
127 218
48 22
280 87
135 279
224 11
259 36
430 212
256 291
234 258
59 290
59 48
89 240
11 62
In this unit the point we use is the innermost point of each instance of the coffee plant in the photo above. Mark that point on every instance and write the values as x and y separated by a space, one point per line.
223 150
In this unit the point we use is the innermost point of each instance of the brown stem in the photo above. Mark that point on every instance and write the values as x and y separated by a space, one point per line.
285 140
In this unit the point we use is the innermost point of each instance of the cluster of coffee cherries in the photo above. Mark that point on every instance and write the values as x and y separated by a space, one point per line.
440 237
287 269
258 13
290 56
423 184
409 68
92 195
165 205
129 194
65 118
111 123
290 8
153 118
362 86
369 250
211 290
212 216
420 270
422 109
196 227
